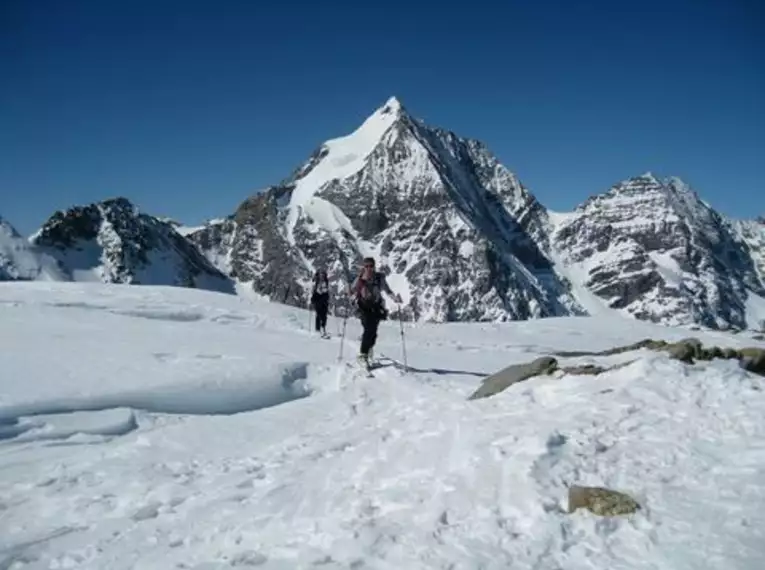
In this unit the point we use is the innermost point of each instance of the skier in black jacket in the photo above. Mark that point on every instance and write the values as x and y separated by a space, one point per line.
367 289
320 300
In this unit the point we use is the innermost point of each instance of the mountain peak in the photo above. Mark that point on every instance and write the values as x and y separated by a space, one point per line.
344 156
392 106
649 177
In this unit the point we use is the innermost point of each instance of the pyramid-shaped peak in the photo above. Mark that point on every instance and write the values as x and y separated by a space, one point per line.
392 105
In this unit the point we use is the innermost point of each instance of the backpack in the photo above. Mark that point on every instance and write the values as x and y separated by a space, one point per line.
369 294
320 285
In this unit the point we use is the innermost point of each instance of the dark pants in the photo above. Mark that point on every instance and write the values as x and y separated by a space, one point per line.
321 304
370 320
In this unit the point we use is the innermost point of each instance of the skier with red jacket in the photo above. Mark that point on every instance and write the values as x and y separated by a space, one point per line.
367 289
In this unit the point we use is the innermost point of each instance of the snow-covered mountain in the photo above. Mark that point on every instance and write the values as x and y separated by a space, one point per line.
459 234
20 260
655 250
112 242
752 233
463 239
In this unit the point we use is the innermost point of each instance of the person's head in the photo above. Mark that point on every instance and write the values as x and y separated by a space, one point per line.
368 265
321 275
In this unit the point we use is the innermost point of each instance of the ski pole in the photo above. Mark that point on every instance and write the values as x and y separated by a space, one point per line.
403 338
342 336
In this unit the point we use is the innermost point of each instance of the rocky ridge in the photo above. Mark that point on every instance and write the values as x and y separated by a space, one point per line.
459 236
462 239
113 242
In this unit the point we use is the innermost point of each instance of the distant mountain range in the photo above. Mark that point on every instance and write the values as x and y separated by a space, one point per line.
460 237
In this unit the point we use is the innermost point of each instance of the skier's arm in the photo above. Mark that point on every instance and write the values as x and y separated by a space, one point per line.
354 286
388 290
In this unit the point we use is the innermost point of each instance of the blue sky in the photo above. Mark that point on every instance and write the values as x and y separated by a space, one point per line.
188 107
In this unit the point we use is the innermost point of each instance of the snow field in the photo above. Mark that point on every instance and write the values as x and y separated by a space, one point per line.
209 432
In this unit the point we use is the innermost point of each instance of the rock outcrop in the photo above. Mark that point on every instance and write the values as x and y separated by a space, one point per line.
601 501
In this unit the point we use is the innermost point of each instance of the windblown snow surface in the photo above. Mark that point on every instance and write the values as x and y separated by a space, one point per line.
160 428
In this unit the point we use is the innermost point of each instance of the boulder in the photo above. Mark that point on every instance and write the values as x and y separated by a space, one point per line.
645 343
513 374
682 351
729 353
590 369
711 353
648 343
601 501
752 359
694 343
593 369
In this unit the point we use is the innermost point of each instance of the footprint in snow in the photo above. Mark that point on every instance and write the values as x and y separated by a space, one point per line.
251 482
209 356
148 511
247 559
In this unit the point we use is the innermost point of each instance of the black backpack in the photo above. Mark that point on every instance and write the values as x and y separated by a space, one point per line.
369 295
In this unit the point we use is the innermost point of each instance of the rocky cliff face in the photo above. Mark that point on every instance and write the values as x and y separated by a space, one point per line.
113 242
655 250
752 234
460 237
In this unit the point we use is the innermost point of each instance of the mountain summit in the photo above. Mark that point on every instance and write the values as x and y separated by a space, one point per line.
461 238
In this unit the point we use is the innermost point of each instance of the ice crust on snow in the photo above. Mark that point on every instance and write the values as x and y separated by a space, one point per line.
121 445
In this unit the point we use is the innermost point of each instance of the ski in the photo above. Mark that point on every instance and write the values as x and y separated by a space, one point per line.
394 362
357 367
367 368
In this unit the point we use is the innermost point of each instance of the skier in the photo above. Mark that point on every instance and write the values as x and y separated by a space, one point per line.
320 300
367 289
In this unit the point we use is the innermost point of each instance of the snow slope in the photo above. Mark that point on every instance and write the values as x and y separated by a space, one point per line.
159 427
20 260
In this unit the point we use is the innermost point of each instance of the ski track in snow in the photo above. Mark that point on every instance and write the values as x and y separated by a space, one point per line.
160 428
